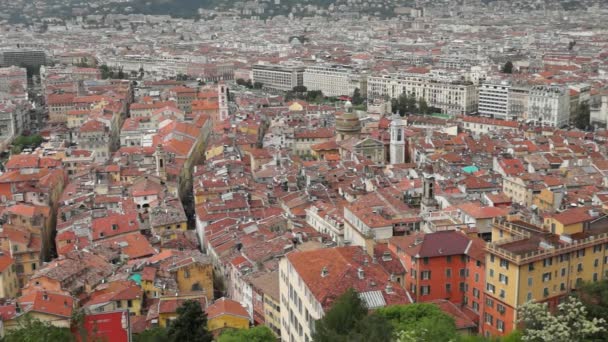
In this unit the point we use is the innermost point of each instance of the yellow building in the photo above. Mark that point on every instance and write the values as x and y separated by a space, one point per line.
25 248
192 275
48 307
549 200
169 216
226 313
542 264
9 285
167 307
116 295
266 287
272 313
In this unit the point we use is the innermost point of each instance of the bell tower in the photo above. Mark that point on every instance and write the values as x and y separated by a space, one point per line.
161 159
397 142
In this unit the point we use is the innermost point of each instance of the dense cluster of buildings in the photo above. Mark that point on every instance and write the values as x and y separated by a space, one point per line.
160 178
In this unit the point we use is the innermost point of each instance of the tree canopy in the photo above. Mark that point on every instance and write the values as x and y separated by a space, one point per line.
26 141
156 334
190 324
34 330
420 322
594 296
507 68
256 334
348 320
568 323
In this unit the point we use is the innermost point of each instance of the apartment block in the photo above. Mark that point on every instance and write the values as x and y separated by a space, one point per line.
549 106
527 262
494 100
278 77
334 80
311 281
452 95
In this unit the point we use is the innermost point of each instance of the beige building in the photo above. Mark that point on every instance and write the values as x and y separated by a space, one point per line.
334 80
311 281
452 96
9 285
278 77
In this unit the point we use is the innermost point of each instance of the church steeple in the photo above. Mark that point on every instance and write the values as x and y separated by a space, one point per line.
397 143
161 160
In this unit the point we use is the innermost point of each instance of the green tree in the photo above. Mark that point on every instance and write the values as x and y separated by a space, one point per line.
568 323
190 324
507 68
299 89
421 322
33 330
121 74
105 71
257 85
423 107
348 320
314 96
26 141
156 334
241 82
257 334
594 295
357 98
582 116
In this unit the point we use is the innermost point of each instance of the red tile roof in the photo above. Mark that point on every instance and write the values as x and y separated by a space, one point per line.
225 306
115 224
573 216
47 302
442 243
5 260
341 264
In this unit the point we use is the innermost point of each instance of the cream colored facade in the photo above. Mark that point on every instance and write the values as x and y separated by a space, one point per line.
299 307
453 97
546 273
334 80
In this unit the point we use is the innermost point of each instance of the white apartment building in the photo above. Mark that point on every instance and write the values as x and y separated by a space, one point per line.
452 96
334 80
278 77
549 105
519 96
494 99
310 280
327 219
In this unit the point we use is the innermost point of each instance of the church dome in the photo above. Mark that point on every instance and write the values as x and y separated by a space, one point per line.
348 122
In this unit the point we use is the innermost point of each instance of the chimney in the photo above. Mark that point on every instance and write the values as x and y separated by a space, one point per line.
360 273
324 272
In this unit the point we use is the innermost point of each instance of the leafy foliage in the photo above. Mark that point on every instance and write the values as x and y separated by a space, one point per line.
113 73
156 334
582 116
256 334
568 323
34 330
419 322
26 141
595 298
357 99
348 320
190 325
408 104
507 68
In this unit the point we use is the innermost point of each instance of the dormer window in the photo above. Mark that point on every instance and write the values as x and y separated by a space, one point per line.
114 226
